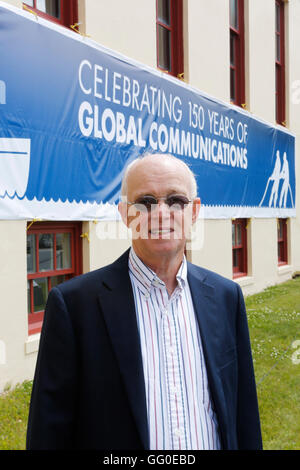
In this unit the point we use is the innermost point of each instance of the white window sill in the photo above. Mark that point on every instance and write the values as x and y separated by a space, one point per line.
284 269
32 343
245 281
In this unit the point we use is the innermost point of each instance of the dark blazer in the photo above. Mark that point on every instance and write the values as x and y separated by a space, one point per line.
88 390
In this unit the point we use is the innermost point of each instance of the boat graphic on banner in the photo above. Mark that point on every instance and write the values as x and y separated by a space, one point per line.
14 166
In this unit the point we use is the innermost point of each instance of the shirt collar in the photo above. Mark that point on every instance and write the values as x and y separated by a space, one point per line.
147 278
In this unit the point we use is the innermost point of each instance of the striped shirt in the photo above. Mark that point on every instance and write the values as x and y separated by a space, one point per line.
179 407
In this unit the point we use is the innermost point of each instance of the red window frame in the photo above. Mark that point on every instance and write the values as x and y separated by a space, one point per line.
237 54
239 248
175 30
280 62
282 241
35 319
68 12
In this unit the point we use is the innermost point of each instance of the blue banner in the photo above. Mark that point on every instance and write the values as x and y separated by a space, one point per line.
73 114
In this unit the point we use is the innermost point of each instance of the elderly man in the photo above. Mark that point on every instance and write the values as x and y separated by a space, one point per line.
150 352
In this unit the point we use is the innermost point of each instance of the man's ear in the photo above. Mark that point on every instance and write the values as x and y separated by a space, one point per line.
196 209
122 207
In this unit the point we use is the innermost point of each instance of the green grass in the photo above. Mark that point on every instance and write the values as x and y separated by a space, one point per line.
274 323
14 406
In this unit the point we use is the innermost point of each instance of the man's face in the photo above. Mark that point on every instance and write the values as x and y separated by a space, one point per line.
162 230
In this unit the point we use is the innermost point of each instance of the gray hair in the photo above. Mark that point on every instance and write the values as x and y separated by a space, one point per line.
162 155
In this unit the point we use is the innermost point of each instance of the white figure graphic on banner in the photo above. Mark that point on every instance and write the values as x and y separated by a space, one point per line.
275 177
279 173
285 175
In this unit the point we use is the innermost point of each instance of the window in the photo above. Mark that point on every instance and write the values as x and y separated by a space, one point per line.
239 247
169 36
63 12
282 241
280 63
53 256
237 61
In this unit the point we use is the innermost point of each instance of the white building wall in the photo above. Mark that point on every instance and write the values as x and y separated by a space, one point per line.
128 28
207 51
15 3
107 241
260 58
215 251
13 303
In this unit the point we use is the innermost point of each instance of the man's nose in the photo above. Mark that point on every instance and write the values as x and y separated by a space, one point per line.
161 211
161 206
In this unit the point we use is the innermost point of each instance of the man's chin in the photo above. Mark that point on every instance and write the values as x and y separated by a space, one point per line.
159 246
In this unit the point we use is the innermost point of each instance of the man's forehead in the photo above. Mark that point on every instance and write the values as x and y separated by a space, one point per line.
158 164
158 175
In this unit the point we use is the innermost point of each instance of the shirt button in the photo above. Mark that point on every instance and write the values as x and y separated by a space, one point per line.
177 432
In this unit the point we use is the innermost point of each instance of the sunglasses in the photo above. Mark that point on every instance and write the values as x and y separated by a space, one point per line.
174 202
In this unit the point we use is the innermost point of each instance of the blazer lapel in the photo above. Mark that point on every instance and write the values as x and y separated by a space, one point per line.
206 310
118 308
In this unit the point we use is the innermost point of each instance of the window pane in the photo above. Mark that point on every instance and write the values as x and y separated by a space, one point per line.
28 297
164 48
46 252
41 5
235 259
280 230
277 73
238 234
163 11
234 14
277 47
233 234
55 280
51 7
63 250
232 85
232 49
31 263
29 3
40 293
